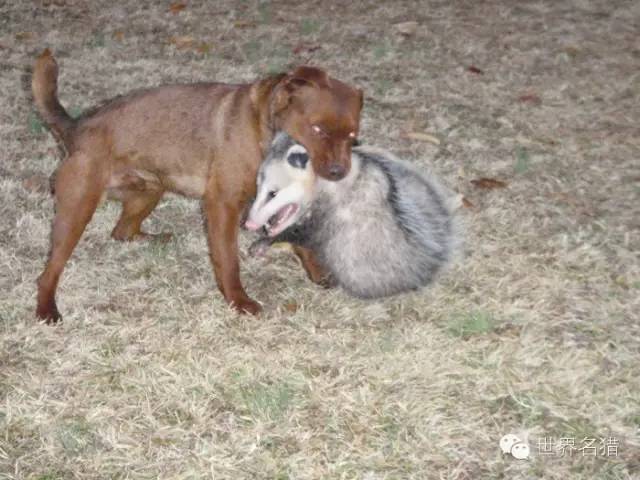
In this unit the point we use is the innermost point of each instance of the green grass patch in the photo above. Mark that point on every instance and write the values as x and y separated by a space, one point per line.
55 475
380 51
97 41
522 160
576 427
265 13
633 420
76 436
266 400
252 50
471 324
276 65
521 409
383 85
36 125
75 111
112 347
309 27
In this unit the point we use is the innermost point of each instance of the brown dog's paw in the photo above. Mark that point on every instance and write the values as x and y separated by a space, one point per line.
246 305
49 314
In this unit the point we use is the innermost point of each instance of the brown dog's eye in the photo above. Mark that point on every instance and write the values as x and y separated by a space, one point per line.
318 131
355 142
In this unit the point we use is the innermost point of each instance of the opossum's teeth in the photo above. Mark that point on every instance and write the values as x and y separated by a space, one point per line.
277 222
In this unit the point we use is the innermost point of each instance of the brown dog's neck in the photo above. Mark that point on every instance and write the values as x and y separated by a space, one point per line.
261 99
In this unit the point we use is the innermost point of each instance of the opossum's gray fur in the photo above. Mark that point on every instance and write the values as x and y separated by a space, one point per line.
384 229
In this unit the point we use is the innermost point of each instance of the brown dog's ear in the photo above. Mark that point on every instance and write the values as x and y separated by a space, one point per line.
292 82
283 94
313 75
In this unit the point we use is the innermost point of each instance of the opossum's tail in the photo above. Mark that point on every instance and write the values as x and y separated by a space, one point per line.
44 85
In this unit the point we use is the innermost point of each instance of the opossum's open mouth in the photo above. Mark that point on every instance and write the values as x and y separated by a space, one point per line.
279 221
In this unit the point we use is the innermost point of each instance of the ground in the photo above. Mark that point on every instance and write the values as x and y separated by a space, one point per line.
534 331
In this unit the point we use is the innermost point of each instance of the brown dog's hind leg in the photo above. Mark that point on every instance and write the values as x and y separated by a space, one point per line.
222 231
79 186
136 206
315 271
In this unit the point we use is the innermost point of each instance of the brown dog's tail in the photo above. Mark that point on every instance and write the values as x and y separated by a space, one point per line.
44 85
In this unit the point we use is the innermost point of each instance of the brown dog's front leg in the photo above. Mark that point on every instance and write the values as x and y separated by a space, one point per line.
315 271
222 230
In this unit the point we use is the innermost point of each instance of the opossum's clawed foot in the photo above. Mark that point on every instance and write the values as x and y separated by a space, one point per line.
327 282
259 248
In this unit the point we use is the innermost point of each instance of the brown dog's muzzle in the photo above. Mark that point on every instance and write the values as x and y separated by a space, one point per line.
335 167
337 171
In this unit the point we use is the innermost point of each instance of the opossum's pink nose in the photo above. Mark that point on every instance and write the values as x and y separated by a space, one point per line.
251 225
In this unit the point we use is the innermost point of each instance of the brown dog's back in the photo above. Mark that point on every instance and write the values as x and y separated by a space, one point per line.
165 135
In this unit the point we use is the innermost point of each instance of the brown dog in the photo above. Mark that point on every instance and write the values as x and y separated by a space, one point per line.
203 140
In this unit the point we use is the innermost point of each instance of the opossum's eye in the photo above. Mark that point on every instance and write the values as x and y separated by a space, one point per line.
298 159
271 194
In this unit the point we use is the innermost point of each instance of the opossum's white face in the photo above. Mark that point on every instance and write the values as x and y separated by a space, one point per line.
285 191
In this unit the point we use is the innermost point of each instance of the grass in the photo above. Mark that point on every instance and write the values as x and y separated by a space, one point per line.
522 160
75 436
473 323
266 401
309 26
36 126
533 331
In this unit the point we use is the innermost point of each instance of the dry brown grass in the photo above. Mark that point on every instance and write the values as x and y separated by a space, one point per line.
535 332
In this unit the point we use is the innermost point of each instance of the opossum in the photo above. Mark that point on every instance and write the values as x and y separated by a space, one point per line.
384 229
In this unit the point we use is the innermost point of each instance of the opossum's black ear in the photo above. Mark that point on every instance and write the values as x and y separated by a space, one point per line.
298 159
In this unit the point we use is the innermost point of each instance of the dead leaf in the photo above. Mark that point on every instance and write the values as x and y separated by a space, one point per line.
203 48
304 47
24 35
422 137
572 51
177 7
244 24
406 28
474 69
622 281
531 98
466 203
291 307
118 35
282 246
187 42
574 202
488 183
182 42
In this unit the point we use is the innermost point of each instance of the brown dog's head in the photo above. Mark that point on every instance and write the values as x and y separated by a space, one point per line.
321 113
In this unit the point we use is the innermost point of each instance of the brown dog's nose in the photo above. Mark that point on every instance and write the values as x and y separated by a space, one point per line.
337 171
